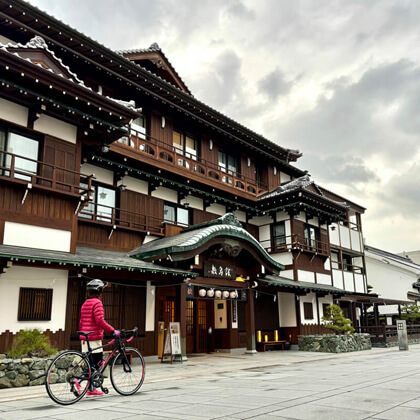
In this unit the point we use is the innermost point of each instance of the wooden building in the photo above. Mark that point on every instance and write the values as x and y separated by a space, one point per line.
110 168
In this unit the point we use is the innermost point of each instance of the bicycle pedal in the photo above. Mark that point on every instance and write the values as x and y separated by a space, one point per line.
105 390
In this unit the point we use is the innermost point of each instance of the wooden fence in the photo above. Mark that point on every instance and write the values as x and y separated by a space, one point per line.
388 333
311 329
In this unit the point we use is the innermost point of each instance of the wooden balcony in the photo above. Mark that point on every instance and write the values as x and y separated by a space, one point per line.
40 175
296 242
117 218
166 156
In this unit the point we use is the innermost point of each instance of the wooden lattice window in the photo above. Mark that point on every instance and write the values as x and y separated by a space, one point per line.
308 310
35 304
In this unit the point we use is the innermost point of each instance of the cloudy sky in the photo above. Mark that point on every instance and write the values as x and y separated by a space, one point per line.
338 80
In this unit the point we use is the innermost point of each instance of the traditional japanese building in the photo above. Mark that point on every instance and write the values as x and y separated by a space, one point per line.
111 169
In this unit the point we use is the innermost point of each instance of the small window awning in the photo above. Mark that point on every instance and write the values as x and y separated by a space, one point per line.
87 257
370 300
304 286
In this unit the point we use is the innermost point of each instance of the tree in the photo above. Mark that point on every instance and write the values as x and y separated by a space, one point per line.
411 313
336 320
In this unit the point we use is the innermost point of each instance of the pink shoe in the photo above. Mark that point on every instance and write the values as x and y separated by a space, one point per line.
78 387
94 393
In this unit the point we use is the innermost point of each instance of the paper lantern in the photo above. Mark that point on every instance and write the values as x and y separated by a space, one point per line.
218 294
210 293
202 292
233 295
225 294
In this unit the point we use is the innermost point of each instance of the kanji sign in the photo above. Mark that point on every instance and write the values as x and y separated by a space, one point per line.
218 270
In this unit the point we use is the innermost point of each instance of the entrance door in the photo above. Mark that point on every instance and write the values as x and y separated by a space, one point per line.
204 318
189 320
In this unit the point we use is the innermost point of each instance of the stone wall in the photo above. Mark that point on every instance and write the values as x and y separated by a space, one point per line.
331 343
22 372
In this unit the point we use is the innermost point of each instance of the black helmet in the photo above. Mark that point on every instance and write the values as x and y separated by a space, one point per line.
96 285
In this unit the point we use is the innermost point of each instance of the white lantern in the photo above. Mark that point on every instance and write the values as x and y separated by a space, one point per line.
233 295
202 292
218 294
225 294
210 293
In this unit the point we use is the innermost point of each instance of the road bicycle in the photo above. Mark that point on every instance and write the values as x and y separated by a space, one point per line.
71 373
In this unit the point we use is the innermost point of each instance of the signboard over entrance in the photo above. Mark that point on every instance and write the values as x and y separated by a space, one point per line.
219 270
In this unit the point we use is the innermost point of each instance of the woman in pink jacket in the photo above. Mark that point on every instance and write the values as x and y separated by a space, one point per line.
92 319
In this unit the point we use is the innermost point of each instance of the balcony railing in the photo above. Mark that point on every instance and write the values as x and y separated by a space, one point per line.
43 175
123 219
158 150
296 242
347 267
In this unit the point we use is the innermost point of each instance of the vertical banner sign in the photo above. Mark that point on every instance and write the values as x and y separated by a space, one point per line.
172 346
190 291
244 295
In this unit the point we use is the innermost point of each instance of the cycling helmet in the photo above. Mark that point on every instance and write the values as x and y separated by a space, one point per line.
96 285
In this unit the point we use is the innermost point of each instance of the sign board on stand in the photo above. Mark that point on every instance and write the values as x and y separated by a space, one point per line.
172 347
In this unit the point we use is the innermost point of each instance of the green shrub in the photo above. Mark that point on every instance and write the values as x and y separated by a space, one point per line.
32 343
336 320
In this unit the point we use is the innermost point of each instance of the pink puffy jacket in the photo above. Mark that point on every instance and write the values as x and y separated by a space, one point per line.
92 319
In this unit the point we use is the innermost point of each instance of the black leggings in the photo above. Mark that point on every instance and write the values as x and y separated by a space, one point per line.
95 359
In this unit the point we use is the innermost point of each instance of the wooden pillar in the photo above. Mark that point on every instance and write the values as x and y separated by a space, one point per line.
250 323
399 311
376 312
182 317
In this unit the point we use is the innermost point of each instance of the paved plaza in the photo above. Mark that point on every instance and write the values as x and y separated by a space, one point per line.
376 384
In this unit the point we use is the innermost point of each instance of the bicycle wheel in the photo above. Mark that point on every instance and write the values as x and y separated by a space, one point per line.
126 377
67 378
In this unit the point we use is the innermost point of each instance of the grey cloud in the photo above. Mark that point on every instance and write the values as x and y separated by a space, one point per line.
274 84
238 9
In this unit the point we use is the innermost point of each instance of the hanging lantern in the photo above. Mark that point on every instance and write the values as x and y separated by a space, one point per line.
225 294
218 294
210 293
233 295
202 292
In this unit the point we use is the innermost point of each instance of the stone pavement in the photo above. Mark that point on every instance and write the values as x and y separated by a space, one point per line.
376 384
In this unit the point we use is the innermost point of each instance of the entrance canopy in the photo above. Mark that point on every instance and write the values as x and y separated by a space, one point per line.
226 230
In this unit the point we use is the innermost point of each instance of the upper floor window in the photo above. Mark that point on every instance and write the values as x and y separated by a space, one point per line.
138 128
279 235
24 148
176 214
229 163
184 144
311 235
102 207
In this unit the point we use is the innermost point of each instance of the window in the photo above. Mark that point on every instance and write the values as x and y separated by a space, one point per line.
229 164
185 144
25 147
138 128
324 308
279 235
34 304
347 263
311 235
175 214
308 310
103 205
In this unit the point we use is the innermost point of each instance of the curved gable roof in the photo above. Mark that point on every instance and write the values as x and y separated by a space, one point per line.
196 236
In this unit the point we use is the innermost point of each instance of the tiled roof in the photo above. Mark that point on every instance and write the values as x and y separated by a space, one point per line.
392 257
87 257
194 237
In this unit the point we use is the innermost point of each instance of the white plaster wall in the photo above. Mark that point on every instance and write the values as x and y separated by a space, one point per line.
355 240
360 283
265 236
314 221
5 41
216 209
301 216
327 264
348 281
344 236
310 297
334 235
57 128
150 238
241 215
284 177
338 279
261 220
150 306
287 309
194 202
30 236
281 216
16 277
288 274
12 112
285 258
308 276
134 184
326 299
166 194
323 278
102 175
